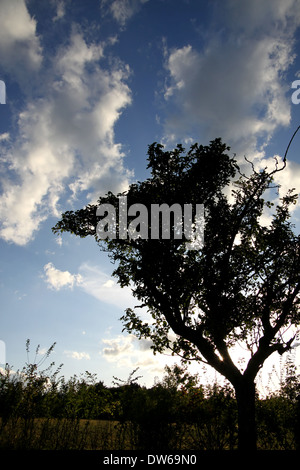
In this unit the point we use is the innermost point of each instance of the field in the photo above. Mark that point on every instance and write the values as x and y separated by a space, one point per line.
70 434
40 411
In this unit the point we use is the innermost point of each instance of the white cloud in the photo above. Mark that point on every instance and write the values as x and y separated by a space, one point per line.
98 284
129 352
57 279
20 49
117 347
123 10
93 281
77 355
65 140
257 17
226 95
234 86
289 178
58 240
60 9
4 136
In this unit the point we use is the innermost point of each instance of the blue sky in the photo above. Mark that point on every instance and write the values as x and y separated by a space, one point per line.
89 85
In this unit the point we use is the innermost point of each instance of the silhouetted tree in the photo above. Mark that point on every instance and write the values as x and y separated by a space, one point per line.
242 285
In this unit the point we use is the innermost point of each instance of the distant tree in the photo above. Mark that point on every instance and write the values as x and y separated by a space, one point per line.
241 286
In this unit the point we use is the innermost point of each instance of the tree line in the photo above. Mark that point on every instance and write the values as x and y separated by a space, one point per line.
40 409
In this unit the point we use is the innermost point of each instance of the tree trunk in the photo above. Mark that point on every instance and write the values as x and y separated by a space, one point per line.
245 396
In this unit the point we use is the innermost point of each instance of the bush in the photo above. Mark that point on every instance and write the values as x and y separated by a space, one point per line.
41 410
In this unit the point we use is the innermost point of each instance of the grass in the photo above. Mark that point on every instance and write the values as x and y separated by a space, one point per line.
74 434
58 434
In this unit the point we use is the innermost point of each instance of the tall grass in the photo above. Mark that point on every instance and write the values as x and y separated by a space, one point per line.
39 409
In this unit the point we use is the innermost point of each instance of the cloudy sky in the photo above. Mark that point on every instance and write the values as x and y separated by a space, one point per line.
89 85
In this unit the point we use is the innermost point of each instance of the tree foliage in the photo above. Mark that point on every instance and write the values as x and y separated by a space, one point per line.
243 285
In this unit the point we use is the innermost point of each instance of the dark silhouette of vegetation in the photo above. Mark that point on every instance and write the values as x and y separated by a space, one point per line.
39 409
242 286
